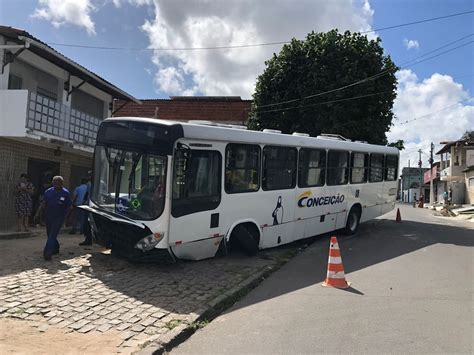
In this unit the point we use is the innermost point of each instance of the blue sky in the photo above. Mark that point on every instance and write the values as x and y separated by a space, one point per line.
424 88
133 70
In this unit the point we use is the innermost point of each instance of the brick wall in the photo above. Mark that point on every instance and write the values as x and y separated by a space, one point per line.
217 109
14 161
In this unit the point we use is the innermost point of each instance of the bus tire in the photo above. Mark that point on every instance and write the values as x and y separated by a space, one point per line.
353 221
245 239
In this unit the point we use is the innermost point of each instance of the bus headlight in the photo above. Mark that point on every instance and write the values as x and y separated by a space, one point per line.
149 242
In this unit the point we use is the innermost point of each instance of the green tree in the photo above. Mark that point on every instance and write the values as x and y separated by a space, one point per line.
322 62
400 144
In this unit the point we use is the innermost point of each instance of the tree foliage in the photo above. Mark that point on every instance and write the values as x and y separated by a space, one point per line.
400 144
322 62
468 135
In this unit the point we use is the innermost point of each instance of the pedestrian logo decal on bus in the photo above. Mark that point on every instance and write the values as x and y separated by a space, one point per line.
278 212
306 200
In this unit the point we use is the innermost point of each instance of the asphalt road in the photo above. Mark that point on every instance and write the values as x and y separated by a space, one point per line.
412 292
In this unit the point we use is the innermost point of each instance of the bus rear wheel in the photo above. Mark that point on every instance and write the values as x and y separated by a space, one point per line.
353 221
244 239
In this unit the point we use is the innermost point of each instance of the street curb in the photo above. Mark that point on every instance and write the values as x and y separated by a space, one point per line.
211 310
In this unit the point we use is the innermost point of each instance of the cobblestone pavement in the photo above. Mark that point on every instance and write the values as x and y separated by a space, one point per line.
86 290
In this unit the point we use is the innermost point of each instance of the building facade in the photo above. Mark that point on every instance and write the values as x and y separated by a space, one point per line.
51 108
457 171
412 184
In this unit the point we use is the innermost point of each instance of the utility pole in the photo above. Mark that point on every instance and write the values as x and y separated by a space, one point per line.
431 175
409 181
421 175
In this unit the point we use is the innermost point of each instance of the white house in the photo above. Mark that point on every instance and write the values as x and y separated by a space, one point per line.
457 170
50 110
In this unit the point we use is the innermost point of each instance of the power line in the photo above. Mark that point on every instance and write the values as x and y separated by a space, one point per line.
431 113
376 76
359 97
325 102
248 45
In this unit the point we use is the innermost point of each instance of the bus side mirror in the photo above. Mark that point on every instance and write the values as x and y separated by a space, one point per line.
183 154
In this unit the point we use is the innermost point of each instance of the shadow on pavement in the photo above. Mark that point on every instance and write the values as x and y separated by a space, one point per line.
20 255
376 242
185 286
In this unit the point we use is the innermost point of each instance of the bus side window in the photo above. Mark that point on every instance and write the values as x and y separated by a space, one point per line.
359 167
279 168
391 167
337 167
312 167
242 168
376 167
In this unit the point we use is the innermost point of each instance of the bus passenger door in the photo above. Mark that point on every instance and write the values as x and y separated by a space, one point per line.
195 230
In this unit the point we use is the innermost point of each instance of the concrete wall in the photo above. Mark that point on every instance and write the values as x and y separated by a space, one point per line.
14 156
469 183
13 106
35 79
470 156
36 71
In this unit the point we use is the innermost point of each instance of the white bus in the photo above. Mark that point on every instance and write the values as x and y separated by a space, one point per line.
173 190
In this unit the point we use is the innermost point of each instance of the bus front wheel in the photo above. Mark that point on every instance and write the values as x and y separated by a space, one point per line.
353 221
244 239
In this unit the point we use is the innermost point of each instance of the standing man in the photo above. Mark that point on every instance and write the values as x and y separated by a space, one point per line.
86 227
57 202
80 197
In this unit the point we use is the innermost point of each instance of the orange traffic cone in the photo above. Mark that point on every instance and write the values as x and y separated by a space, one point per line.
335 277
399 217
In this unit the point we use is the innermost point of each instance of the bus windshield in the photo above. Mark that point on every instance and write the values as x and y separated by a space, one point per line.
130 183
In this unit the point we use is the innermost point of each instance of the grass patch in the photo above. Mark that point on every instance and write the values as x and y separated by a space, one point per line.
173 323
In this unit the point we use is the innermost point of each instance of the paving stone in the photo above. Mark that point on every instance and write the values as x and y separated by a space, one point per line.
55 320
159 315
77 317
126 335
63 324
134 320
137 328
114 321
148 321
115 315
79 325
123 326
151 330
93 317
87 328
104 312
104 327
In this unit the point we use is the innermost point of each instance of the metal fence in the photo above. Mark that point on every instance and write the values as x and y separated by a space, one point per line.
49 116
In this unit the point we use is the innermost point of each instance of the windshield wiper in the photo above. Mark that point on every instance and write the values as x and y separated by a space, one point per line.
136 160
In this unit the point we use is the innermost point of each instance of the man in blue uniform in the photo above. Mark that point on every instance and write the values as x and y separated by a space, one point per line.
80 197
57 202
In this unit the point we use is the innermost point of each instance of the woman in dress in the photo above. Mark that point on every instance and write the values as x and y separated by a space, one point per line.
23 202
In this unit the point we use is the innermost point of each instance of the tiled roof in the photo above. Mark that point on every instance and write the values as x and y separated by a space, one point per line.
223 109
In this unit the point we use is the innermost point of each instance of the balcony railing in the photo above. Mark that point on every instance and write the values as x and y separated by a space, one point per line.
49 116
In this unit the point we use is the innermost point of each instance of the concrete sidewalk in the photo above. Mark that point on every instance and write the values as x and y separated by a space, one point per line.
412 292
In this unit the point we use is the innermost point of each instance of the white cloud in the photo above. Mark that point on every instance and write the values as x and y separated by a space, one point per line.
62 12
419 98
224 23
411 43
118 3
170 80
